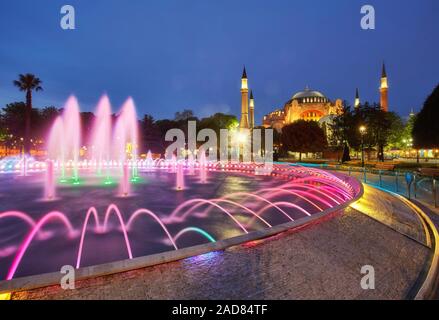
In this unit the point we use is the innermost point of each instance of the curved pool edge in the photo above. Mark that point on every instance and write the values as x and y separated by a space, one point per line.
428 288
120 266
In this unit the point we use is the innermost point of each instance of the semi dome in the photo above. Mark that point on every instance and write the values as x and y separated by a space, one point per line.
308 93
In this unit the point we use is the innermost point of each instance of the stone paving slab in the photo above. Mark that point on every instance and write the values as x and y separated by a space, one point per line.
322 261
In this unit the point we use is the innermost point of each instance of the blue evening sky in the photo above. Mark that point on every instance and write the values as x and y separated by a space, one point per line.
170 55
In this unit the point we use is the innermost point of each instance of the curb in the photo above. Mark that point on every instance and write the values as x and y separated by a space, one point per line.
428 287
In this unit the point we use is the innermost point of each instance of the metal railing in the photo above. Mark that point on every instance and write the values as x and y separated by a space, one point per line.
406 183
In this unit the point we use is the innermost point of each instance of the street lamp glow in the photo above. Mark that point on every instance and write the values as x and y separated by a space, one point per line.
242 138
362 132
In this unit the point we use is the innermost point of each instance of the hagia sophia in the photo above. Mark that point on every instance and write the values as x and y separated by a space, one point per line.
309 105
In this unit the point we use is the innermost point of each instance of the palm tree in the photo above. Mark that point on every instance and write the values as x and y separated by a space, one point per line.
28 82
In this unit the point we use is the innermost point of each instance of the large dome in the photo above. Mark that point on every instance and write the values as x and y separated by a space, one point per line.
308 93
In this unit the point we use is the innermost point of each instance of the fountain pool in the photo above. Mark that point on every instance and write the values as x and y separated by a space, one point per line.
111 204
94 223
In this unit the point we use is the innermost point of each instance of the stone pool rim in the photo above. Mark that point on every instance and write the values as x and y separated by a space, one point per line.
53 278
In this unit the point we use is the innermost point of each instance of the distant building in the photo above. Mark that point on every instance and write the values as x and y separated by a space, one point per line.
312 105
308 105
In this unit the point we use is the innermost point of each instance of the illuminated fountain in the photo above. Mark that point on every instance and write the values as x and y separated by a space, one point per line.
290 194
49 190
65 139
203 166
149 160
24 165
180 176
101 137
14 164
72 135
56 146
126 136
173 164
125 180
142 214
191 164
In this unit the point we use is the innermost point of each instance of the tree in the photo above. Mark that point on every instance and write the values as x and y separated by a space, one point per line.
28 83
44 121
185 115
3 130
151 136
383 129
378 124
303 136
217 122
346 155
342 129
398 135
425 128
87 121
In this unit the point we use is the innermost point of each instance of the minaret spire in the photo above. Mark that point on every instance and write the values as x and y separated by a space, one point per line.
251 115
244 123
384 88
357 99
244 74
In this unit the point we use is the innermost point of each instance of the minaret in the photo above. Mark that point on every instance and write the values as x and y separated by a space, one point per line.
251 115
384 88
244 101
357 99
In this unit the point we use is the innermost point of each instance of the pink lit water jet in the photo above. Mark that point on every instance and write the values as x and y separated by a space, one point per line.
126 135
125 180
23 248
24 165
56 146
191 163
180 177
50 181
101 134
173 164
72 129
203 166
149 160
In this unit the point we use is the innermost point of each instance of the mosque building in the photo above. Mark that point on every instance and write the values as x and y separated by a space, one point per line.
308 105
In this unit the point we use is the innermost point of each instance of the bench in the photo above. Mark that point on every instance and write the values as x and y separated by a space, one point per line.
431 172
385 166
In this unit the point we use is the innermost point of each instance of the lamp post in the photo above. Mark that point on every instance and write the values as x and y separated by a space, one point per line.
362 133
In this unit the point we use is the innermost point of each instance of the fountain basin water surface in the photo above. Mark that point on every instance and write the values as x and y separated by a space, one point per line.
91 223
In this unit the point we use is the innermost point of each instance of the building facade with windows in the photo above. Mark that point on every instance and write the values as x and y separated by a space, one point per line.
308 105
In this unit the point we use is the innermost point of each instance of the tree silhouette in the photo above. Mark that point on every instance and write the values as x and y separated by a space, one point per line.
303 136
425 128
28 83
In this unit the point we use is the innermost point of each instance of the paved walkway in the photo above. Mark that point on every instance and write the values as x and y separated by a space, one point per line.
322 261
